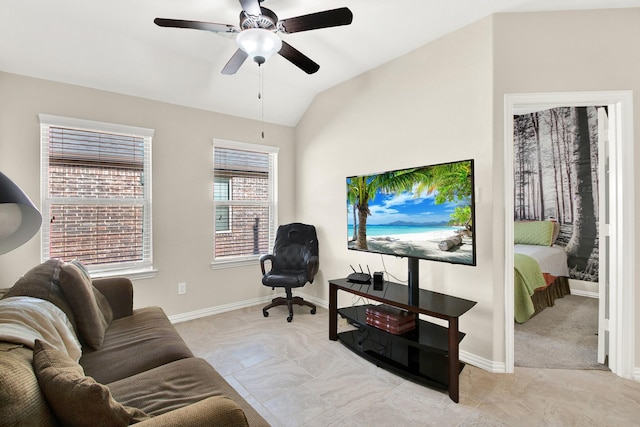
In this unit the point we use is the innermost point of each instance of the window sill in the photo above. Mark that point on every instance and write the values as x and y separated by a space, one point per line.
244 262
133 273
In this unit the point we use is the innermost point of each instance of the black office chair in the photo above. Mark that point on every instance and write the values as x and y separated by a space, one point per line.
294 262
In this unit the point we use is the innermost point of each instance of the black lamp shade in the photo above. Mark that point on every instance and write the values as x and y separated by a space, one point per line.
20 220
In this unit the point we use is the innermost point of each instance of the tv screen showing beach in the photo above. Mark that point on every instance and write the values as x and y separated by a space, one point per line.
423 212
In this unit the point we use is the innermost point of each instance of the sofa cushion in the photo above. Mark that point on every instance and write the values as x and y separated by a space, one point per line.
81 296
118 292
42 282
77 400
184 382
22 401
134 344
212 411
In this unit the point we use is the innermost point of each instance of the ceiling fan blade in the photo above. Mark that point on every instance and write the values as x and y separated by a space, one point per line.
297 58
235 62
252 7
196 25
314 21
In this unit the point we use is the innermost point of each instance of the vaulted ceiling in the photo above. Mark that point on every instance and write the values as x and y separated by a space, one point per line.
114 45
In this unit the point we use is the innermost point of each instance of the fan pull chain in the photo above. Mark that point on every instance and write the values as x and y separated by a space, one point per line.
261 98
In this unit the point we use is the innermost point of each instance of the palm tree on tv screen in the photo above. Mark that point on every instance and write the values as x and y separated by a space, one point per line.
451 182
352 198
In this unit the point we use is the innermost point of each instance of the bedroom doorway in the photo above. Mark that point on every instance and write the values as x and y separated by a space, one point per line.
619 209
558 184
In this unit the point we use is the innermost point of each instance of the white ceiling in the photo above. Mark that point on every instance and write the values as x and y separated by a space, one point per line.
114 45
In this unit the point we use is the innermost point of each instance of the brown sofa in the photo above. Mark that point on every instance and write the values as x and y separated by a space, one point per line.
133 367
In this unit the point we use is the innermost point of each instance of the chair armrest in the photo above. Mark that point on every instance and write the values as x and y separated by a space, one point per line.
263 259
313 265
119 293
213 411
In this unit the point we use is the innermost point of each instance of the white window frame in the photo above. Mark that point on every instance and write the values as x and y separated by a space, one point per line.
228 211
134 270
271 203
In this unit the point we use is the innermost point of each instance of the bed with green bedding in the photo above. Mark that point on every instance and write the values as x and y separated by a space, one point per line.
537 282
541 273
527 278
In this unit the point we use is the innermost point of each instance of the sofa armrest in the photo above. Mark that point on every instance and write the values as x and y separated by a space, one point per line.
213 411
119 293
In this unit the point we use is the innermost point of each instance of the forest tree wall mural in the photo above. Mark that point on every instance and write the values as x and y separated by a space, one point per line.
556 178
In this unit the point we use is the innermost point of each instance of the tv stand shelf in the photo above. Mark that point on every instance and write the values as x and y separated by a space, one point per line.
428 355
426 335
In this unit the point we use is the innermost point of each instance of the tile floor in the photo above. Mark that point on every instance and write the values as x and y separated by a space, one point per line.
295 376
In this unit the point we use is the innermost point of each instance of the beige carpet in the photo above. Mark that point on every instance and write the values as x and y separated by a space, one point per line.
564 336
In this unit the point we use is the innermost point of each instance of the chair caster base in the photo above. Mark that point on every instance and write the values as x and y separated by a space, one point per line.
289 303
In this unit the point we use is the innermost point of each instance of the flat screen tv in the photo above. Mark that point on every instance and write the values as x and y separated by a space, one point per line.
424 212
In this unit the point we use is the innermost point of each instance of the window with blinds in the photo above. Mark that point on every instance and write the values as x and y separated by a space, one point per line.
244 199
97 204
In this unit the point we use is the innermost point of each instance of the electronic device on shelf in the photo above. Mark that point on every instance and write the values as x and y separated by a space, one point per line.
360 277
378 281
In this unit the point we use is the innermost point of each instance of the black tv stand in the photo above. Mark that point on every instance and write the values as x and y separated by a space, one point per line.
428 355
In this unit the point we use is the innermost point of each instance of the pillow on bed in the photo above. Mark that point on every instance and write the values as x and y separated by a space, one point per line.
533 233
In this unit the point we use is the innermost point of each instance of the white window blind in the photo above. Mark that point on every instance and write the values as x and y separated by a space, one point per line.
96 194
245 200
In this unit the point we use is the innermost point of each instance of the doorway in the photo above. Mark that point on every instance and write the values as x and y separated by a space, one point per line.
619 305
558 159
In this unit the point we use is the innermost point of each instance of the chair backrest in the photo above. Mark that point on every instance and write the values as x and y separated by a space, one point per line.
295 244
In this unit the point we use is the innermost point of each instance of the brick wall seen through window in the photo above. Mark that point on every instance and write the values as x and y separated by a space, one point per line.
244 202
97 197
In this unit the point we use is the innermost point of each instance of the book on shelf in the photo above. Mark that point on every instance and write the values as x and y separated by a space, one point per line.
384 319
393 328
389 313
390 319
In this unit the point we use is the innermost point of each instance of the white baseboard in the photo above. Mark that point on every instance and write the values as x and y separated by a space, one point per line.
583 288
582 293
315 300
482 363
210 311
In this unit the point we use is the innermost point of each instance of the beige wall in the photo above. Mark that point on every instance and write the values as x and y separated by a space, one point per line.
430 106
444 102
182 184
570 51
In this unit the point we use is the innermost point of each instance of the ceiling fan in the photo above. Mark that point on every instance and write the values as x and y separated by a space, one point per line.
256 33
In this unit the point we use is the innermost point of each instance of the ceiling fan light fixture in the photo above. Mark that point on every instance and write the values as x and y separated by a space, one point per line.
259 44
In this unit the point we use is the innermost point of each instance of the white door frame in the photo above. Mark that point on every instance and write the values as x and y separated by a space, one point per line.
604 135
621 205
